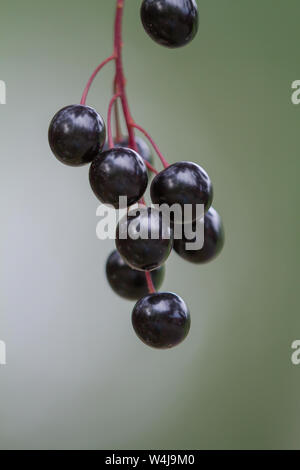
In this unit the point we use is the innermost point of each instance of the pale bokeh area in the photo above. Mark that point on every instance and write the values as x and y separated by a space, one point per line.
77 377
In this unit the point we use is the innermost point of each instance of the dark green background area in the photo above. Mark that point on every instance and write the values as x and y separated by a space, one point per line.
77 376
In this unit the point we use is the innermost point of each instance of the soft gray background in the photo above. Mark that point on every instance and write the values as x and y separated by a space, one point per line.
77 377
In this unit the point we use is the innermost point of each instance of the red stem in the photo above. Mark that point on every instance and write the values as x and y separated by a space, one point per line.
120 78
150 167
146 134
150 284
121 83
109 130
96 71
117 115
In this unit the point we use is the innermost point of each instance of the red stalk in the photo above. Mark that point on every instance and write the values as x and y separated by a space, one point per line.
150 284
91 79
109 130
120 78
146 134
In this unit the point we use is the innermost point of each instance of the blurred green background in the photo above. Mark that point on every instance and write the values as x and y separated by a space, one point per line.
77 377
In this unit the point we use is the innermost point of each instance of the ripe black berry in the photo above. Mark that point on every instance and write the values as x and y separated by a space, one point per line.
183 183
161 320
171 23
140 253
143 148
76 134
213 240
118 172
128 282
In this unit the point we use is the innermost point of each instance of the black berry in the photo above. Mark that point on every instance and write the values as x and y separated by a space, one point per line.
171 23
139 252
76 134
118 172
127 282
161 320
143 148
183 183
213 240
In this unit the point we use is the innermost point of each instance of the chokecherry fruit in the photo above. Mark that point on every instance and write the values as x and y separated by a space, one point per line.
144 239
213 239
161 320
183 183
128 282
76 134
118 172
142 147
171 23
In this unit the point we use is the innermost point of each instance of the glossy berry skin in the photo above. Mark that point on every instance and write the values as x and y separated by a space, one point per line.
183 183
118 172
171 23
127 282
142 148
140 253
213 240
161 320
76 135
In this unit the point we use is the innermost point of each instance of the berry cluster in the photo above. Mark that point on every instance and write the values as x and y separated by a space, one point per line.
122 167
